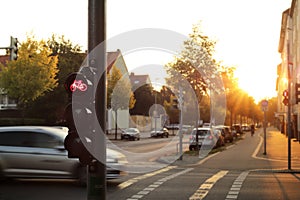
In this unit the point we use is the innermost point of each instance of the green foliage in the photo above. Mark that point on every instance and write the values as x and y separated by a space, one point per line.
144 100
32 75
70 58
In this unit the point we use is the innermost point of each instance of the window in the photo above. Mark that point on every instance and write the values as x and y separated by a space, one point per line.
29 139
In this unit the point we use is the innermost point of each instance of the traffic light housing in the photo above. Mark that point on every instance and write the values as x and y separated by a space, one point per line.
175 103
285 95
13 48
297 92
78 116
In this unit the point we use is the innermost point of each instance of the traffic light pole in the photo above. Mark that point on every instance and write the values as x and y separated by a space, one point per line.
97 35
289 115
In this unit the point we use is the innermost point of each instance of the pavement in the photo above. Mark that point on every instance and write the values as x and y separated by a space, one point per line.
276 152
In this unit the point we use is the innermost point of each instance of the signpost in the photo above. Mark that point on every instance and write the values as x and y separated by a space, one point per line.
264 108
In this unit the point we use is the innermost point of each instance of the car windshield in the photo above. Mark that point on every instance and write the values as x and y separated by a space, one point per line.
131 130
200 132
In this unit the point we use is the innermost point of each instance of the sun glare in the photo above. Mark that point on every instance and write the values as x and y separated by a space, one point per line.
258 85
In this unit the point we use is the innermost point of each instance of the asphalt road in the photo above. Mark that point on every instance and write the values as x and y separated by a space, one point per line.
235 173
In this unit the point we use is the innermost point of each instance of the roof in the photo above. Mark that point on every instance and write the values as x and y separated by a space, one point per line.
4 59
111 58
138 80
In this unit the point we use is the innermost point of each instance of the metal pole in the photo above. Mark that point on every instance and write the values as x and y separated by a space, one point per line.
180 123
265 133
289 118
97 35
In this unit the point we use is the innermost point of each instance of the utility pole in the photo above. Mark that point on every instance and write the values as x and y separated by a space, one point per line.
96 38
290 67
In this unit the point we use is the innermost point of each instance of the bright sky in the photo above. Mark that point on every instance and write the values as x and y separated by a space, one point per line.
247 31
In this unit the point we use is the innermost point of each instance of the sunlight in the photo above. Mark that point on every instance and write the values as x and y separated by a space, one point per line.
258 85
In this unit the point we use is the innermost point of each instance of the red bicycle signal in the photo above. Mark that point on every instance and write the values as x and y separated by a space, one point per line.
78 84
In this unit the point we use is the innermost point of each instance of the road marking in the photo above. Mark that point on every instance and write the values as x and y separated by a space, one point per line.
236 186
136 179
207 185
156 184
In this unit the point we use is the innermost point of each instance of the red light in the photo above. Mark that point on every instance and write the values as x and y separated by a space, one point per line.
78 84
285 93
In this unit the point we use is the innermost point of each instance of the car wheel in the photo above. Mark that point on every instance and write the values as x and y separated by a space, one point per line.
122 137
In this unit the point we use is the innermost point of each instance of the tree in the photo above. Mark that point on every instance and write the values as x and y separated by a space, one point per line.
32 75
144 100
195 65
119 94
70 58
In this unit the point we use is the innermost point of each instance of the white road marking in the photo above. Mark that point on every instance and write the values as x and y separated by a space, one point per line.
156 184
136 179
207 185
236 186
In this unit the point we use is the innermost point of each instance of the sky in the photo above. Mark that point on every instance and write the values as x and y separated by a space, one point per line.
246 31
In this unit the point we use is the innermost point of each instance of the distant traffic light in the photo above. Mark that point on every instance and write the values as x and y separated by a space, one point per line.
13 48
285 95
79 114
297 92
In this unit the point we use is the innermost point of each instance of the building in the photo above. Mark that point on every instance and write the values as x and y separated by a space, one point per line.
138 80
115 59
288 70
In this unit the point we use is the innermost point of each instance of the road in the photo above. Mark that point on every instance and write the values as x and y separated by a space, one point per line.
235 173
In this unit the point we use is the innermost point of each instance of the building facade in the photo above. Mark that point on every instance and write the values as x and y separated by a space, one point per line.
288 70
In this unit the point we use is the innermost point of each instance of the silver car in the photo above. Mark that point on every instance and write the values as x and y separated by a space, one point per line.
38 152
206 138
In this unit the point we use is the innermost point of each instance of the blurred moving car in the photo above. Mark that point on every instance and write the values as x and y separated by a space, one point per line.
130 134
226 132
160 133
205 138
38 152
220 138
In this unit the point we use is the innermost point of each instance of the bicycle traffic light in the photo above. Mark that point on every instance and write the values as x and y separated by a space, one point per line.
79 115
285 95
13 48
175 103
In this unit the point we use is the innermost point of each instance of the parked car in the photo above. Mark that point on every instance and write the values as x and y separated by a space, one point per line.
160 133
206 138
38 152
220 138
246 127
130 134
236 130
226 132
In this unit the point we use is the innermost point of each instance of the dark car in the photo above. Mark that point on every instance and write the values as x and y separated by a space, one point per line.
130 134
160 133
38 152
226 132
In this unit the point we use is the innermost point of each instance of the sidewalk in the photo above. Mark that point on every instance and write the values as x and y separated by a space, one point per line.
277 149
